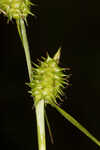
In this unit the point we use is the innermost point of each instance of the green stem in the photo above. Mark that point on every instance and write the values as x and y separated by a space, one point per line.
49 128
40 125
76 124
23 36
40 105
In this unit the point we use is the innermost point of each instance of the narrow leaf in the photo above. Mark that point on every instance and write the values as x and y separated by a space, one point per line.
76 124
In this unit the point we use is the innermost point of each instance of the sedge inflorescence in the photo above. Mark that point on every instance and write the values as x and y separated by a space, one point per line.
15 8
48 81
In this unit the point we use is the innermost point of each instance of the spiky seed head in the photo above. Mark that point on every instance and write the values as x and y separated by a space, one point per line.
48 80
15 8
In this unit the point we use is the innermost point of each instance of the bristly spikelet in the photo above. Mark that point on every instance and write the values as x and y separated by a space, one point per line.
48 81
15 8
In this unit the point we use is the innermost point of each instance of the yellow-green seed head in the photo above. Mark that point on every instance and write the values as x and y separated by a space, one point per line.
48 81
15 8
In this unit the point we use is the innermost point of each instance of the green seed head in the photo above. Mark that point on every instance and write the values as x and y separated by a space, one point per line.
15 8
48 80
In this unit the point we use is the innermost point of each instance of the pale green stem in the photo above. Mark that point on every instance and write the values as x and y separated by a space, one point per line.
40 125
40 105
76 124
49 128
23 36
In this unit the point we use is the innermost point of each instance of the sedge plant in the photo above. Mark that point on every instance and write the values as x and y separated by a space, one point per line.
46 79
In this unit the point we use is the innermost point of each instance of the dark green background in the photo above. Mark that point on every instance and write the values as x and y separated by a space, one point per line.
74 25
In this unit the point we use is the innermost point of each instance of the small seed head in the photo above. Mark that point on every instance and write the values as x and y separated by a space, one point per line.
48 81
15 8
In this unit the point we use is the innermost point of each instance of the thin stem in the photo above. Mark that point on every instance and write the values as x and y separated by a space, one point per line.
40 105
49 128
76 124
23 36
40 125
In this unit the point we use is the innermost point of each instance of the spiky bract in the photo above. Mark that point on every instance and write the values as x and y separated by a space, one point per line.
48 81
15 8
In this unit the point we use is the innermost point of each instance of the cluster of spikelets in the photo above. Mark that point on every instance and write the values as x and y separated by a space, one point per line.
15 9
48 81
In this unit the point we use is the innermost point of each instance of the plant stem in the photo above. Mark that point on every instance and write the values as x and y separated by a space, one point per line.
76 124
40 125
23 37
49 128
40 105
